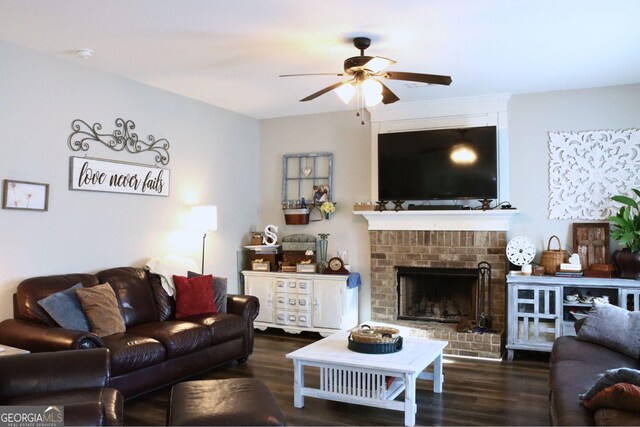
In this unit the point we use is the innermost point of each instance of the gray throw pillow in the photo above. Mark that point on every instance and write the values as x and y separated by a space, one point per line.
219 291
64 307
613 327
611 377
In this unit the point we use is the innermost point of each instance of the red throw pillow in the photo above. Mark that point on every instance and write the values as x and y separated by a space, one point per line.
194 296
618 396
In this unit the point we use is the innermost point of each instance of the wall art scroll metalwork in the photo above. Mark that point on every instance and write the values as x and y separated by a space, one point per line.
122 138
586 168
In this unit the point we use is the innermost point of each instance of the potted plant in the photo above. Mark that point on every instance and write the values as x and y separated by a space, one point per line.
626 230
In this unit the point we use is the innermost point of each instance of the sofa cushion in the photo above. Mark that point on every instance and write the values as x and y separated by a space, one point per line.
101 308
219 291
32 290
65 309
177 337
613 327
131 352
623 396
616 417
194 296
134 294
223 326
566 409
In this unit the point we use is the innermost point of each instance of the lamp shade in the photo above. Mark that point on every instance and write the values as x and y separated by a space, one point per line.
204 218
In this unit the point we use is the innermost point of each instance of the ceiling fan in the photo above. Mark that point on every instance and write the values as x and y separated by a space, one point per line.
366 73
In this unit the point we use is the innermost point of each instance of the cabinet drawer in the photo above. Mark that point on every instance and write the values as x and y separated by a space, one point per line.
293 318
294 286
291 301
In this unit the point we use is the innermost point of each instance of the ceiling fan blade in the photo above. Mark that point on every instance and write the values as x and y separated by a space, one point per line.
388 97
311 74
323 91
433 79
378 63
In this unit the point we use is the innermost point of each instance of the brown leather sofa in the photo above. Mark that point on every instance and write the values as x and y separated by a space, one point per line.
575 367
156 349
55 379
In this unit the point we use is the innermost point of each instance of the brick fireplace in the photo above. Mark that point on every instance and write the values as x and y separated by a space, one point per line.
440 249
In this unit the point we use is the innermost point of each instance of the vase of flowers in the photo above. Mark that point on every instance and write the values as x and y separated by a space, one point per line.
327 209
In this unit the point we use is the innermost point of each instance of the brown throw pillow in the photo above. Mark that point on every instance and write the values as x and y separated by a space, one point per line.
101 308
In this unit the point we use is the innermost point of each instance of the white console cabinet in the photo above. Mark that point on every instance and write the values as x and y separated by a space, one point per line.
538 310
298 302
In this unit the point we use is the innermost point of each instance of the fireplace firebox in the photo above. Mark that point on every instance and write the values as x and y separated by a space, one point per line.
437 294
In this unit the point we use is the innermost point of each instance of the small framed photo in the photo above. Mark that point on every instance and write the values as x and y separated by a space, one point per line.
23 195
320 194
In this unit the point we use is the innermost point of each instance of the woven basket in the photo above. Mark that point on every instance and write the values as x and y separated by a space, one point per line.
551 259
375 335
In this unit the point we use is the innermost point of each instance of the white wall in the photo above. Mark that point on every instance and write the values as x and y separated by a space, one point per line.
343 135
214 159
531 117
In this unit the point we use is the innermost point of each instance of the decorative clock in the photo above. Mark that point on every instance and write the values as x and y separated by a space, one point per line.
336 266
520 251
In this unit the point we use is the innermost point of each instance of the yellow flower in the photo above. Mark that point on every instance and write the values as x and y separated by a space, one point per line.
328 207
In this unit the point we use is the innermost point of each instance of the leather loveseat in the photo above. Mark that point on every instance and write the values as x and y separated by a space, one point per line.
575 367
54 379
156 349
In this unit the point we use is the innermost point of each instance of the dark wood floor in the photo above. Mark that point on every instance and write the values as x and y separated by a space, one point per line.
475 392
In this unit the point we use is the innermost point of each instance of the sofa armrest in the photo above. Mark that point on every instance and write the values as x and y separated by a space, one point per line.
37 337
39 373
246 306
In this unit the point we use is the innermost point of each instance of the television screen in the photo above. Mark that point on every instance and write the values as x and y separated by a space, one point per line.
441 164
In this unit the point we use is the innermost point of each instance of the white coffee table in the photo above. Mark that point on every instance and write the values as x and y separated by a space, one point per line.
347 376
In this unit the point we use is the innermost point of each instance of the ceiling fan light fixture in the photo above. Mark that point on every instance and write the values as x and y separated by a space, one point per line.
378 63
372 92
346 92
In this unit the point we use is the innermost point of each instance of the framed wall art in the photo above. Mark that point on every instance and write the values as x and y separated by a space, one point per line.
24 195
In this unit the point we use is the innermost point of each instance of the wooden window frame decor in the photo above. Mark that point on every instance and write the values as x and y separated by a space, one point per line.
25 195
308 175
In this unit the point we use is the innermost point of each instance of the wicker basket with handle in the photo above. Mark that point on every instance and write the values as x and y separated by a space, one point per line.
552 258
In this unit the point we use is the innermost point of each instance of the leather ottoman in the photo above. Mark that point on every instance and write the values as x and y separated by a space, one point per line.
229 402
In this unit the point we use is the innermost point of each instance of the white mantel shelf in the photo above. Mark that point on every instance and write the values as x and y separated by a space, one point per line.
463 220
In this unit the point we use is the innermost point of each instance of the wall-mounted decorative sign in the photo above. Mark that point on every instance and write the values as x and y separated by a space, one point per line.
586 168
117 177
31 196
120 139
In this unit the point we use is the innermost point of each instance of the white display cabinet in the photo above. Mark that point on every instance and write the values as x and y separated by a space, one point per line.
298 302
539 309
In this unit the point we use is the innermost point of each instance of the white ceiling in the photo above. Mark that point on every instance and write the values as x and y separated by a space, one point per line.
229 53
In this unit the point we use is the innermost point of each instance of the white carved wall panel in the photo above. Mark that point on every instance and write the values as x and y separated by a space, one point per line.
586 168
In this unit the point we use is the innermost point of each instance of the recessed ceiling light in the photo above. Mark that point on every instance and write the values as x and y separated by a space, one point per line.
84 53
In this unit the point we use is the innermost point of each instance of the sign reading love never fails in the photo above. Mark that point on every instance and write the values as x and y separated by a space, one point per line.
90 174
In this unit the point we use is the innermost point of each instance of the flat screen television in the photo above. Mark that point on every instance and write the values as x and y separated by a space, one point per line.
439 164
